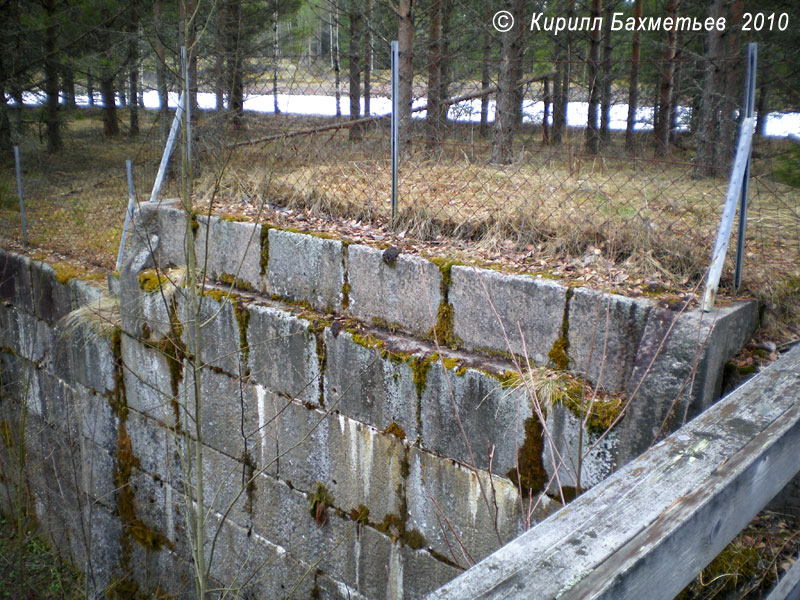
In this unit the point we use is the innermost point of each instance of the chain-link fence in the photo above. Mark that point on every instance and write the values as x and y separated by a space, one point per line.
640 201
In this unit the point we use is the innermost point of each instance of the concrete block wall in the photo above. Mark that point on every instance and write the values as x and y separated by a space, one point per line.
310 405
101 413
624 345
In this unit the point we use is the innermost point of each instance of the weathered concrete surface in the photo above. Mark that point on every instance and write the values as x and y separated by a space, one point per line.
491 416
280 395
229 413
148 381
362 384
306 268
283 353
15 280
232 253
168 222
221 326
647 530
526 305
462 513
603 333
678 370
565 448
405 293
356 463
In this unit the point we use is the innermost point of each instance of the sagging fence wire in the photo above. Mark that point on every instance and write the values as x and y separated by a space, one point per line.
551 200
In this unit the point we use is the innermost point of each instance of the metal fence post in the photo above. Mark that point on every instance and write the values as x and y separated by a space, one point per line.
162 167
18 162
395 114
128 213
749 112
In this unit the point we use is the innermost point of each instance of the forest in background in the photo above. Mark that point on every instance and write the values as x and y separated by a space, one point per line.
116 48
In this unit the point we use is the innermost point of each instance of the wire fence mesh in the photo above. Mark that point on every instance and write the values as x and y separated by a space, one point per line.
645 209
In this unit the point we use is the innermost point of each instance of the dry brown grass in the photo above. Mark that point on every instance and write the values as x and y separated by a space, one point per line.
649 218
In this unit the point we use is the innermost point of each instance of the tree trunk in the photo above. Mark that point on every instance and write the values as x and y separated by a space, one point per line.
592 134
663 121
161 74
354 66
110 125
548 101
133 57
733 85
68 85
605 97
219 58
561 83
368 59
337 73
90 86
433 119
676 89
483 130
233 55
276 48
187 37
706 161
505 122
633 89
54 143
5 122
761 109
405 38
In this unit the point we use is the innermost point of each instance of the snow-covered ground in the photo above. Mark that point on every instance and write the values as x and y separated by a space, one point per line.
778 124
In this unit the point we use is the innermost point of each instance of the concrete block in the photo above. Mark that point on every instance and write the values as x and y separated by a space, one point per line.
603 333
527 304
357 464
229 412
220 340
83 292
490 415
97 480
452 506
15 280
171 228
283 354
406 293
674 381
234 251
29 336
306 268
168 224
52 300
148 378
564 432
350 553
255 567
422 573
82 356
154 448
362 385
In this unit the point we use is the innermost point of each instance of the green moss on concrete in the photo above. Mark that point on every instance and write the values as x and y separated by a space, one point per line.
232 281
360 514
242 315
151 280
320 499
558 354
395 430
530 475
264 262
